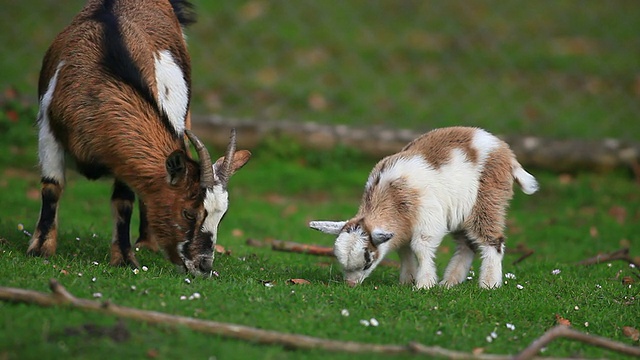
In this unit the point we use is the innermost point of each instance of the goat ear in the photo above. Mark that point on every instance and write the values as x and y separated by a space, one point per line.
240 158
379 236
328 227
176 165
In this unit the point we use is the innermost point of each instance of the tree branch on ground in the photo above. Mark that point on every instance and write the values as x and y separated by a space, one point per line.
318 250
520 249
622 254
563 331
61 297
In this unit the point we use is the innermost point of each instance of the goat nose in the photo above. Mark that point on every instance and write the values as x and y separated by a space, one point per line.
351 283
206 265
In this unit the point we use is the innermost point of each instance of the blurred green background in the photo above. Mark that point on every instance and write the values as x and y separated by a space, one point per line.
556 68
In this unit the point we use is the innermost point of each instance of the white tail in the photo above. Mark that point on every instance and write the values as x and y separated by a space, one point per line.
527 182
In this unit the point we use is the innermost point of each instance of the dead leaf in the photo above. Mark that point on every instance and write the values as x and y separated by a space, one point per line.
565 179
152 353
619 213
252 10
298 282
632 333
317 102
237 233
562 321
221 250
477 351
12 115
593 231
627 280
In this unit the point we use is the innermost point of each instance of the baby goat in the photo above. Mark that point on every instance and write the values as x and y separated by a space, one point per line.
454 180
114 94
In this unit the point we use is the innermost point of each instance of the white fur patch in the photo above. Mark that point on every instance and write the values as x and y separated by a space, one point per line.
484 143
349 249
50 152
216 202
447 194
173 93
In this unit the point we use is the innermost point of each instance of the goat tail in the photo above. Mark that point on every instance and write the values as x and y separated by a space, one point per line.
527 182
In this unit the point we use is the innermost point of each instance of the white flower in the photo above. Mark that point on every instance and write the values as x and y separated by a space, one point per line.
93 279
510 275
576 307
494 335
196 295
555 272
344 312
20 227
187 280
633 266
586 324
439 332
489 339
144 268
511 326
183 297
97 295
94 263
364 322
136 271
520 287
133 288
374 322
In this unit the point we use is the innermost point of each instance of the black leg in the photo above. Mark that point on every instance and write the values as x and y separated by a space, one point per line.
122 207
44 239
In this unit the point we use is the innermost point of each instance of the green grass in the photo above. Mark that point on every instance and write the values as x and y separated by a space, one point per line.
274 196
513 68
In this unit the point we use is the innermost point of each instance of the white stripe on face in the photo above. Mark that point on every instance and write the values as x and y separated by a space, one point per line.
216 202
173 93
50 152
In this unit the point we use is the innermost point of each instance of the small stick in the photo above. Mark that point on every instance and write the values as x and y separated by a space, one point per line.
318 250
563 331
291 246
622 254
61 297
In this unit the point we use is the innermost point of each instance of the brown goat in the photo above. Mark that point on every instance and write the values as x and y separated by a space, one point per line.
114 94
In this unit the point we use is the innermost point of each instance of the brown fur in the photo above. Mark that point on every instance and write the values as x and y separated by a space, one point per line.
436 145
113 127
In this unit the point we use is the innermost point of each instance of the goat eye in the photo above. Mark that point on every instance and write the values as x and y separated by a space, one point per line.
188 215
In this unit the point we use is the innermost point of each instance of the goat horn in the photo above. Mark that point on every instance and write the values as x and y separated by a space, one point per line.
228 159
206 169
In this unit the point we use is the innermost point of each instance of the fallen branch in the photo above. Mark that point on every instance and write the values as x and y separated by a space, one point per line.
520 249
61 297
622 254
318 250
563 331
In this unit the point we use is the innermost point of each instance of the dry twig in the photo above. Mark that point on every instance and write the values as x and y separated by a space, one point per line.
61 297
318 250
622 254
562 331
520 249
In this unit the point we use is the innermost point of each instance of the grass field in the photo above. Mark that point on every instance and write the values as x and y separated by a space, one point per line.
573 217
545 68
525 69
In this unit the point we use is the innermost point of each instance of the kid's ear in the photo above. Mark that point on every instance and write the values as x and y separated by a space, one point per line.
328 227
379 236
